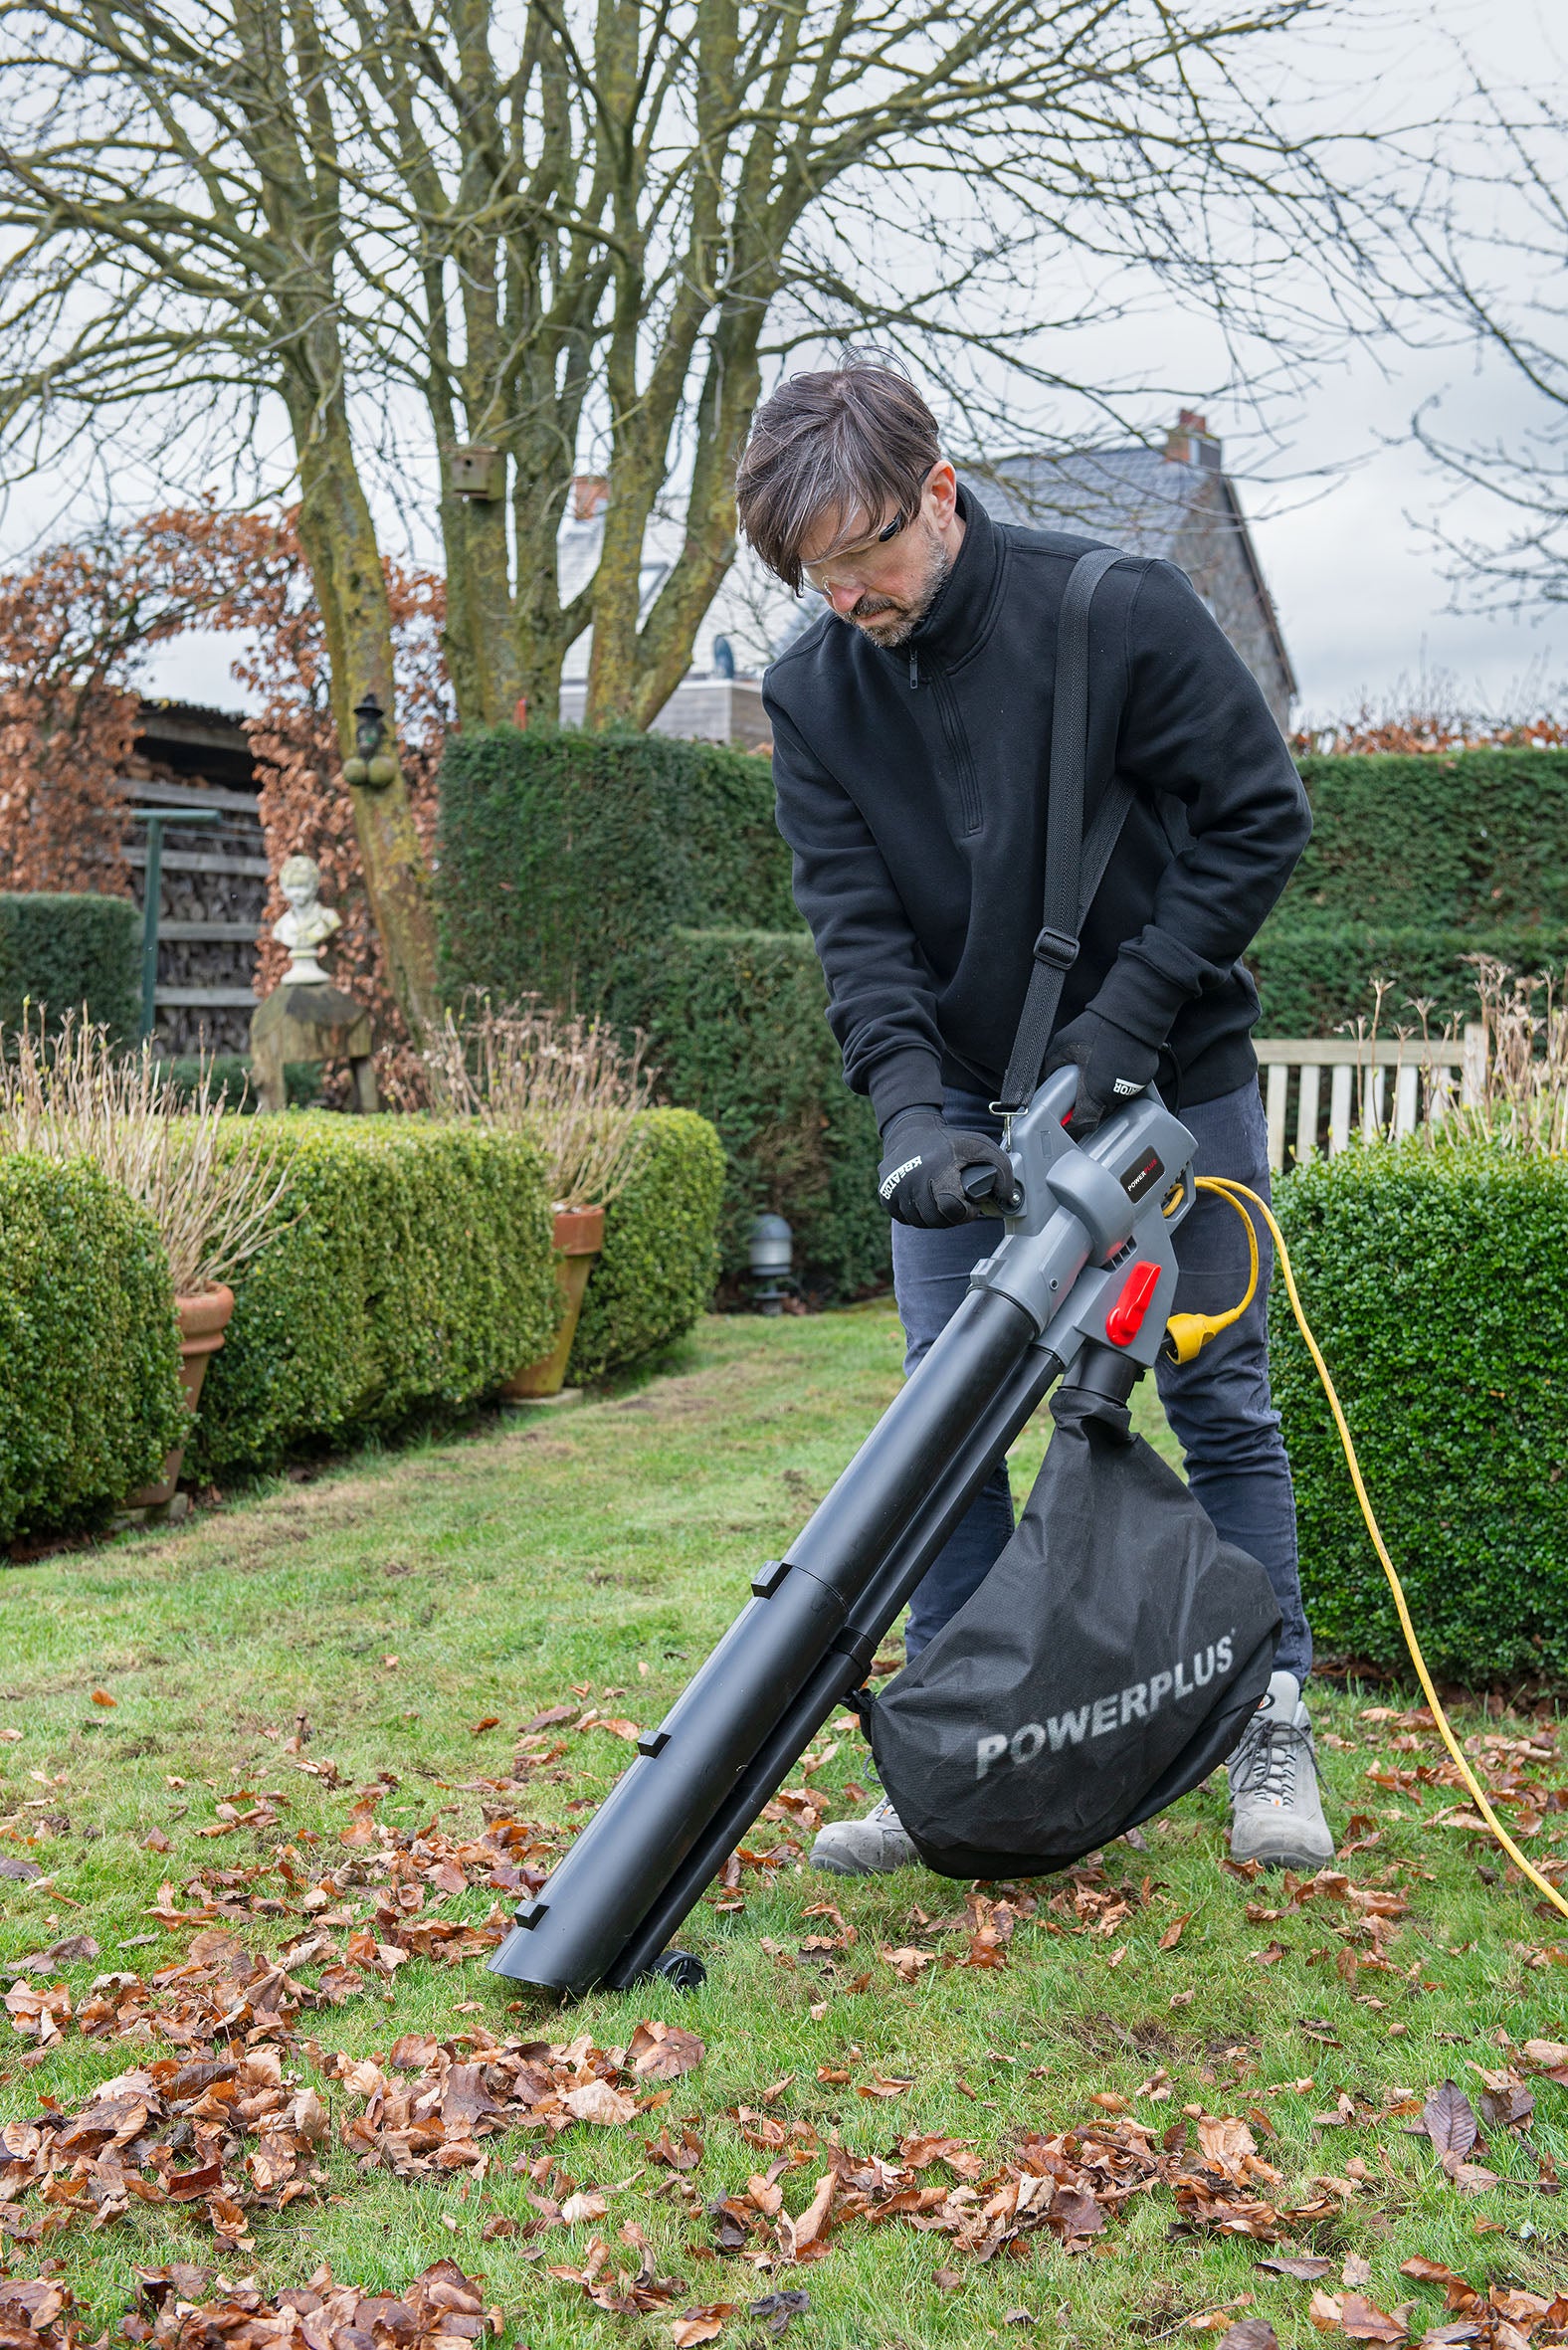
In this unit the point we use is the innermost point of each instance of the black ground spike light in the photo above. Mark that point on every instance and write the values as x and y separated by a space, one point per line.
1080 1286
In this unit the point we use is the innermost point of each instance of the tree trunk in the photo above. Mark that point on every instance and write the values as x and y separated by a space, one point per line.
480 638
339 541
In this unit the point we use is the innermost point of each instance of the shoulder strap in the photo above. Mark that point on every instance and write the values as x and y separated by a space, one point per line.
1075 864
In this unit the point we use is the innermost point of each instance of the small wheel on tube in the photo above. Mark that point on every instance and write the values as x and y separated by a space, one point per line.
683 1970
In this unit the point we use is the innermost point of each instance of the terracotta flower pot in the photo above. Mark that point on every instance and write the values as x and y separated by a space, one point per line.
203 1321
579 1236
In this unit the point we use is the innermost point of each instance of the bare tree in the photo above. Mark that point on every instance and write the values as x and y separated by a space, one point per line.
578 231
1502 270
179 228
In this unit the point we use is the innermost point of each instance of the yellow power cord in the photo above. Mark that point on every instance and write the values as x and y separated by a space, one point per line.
1237 1194
1189 1333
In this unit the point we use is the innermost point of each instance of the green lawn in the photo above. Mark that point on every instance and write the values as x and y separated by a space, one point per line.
317 1741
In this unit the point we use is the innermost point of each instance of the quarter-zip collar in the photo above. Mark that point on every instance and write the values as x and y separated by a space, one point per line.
960 618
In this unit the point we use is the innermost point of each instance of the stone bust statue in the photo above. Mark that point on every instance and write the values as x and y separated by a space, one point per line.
307 924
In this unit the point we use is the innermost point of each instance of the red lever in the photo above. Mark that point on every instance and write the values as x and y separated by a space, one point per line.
1126 1318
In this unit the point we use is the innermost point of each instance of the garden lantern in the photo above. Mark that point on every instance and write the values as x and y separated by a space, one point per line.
371 765
769 1250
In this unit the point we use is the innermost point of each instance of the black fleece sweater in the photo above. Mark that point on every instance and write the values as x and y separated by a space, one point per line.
912 788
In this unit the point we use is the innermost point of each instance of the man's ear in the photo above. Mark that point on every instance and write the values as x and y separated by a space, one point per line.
941 489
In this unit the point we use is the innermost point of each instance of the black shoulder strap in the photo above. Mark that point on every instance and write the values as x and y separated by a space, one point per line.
1075 864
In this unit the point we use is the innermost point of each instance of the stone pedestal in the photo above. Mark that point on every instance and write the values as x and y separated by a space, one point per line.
310 1023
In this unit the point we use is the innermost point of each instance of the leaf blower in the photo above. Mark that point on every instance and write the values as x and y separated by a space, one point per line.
1087 1698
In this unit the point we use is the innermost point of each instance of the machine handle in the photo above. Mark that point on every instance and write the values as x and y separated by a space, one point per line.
980 1186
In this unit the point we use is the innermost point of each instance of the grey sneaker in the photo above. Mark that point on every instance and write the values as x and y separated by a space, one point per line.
1277 1812
864 1847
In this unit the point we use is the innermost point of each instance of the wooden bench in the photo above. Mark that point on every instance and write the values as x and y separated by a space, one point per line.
1389 1087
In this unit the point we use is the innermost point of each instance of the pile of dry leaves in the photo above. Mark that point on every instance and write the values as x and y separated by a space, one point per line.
1069 2187
441 2309
428 2110
360 1920
239 2134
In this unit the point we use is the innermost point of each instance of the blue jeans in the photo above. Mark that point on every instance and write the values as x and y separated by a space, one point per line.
1218 1405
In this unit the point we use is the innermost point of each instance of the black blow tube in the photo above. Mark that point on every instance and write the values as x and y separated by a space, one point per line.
847 1664
781 1666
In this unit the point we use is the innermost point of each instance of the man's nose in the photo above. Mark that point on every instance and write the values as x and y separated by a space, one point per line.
843 595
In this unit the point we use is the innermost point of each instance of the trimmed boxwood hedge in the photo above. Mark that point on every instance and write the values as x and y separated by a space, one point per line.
562 853
660 1260
90 1392
1433 1279
413 1268
1312 979
737 1029
609 873
61 951
1446 841
1414 862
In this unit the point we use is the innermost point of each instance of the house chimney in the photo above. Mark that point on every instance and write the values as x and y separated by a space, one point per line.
1192 443
589 497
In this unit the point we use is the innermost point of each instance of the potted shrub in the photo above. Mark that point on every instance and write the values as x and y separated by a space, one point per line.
72 1095
568 1085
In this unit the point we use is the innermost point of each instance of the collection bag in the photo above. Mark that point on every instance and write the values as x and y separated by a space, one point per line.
1109 1661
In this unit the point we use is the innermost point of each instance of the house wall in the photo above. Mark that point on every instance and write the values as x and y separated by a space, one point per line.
1211 550
701 709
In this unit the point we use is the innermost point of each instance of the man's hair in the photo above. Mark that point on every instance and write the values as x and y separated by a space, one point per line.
851 440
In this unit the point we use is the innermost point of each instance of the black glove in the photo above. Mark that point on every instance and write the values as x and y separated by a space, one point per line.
920 1179
1112 1064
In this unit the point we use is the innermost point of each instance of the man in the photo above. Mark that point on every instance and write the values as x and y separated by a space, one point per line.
911 731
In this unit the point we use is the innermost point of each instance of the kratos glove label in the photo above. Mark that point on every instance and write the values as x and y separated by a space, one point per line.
890 1183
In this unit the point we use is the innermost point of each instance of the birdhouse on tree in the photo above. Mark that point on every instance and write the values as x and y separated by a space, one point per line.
478 471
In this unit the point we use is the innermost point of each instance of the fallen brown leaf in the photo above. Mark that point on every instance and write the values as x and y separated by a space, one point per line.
663 2051
1450 2123
1363 2323
1434 2273
597 2101
805 2229
701 2325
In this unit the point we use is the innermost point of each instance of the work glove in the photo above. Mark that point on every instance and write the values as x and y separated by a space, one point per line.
1112 1067
920 1178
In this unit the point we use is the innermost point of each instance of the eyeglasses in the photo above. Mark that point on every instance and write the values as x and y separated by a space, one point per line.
819 574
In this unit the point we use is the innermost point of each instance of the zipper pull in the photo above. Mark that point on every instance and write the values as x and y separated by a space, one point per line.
914 671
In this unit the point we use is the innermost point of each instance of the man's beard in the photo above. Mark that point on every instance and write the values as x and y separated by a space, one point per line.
891 623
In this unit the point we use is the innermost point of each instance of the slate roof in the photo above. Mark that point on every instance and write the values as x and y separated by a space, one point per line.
1132 497
1136 497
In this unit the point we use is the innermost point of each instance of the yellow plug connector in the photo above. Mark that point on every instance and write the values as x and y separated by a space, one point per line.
1187 1334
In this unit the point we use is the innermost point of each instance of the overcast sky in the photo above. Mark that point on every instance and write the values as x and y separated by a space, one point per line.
1355 578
